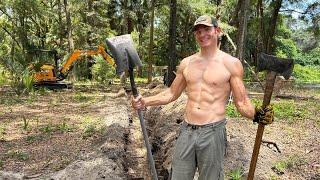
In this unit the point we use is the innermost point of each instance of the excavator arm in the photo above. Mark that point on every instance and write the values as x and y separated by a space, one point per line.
78 53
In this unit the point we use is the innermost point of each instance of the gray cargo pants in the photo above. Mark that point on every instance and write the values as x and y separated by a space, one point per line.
201 147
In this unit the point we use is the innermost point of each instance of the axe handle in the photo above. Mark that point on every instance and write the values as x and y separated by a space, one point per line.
270 79
152 166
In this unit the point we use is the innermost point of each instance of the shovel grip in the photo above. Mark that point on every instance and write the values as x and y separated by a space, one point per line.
132 83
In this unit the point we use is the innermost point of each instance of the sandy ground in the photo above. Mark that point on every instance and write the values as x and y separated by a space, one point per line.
81 134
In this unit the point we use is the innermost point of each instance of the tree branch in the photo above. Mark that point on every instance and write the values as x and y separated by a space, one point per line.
5 13
11 36
293 10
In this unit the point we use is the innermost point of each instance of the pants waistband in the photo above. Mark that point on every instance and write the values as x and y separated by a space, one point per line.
214 124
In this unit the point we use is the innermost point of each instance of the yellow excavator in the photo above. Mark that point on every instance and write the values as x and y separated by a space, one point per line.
50 77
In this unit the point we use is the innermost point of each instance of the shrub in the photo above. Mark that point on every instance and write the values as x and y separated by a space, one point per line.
102 71
306 73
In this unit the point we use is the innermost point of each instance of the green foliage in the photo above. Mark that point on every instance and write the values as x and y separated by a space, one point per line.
2 130
290 162
32 138
81 97
47 128
18 154
306 73
4 76
1 163
285 48
102 71
235 174
11 101
65 127
89 131
232 111
25 123
288 111
279 167
309 58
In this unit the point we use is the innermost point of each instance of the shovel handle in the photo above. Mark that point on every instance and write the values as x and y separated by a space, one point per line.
132 83
270 78
152 166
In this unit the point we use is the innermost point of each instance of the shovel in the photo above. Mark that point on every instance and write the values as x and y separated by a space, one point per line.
127 58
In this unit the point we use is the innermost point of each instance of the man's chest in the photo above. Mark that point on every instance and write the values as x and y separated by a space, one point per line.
213 73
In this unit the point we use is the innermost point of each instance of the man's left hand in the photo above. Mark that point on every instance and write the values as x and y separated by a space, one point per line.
264 115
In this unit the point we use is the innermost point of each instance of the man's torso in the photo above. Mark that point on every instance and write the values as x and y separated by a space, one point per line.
208 88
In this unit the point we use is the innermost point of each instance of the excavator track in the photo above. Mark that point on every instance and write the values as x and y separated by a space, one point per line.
52 86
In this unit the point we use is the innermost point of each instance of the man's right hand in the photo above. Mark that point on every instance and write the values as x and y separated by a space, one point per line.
138 103
264 115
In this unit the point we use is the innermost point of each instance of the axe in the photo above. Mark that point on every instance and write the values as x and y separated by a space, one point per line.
273 65
126 57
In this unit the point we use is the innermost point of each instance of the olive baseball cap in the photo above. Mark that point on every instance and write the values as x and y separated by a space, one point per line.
205 20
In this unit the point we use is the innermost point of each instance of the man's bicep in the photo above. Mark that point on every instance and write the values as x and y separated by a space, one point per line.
238 88
178 84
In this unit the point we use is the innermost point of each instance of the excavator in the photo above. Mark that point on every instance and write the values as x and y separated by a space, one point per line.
50 77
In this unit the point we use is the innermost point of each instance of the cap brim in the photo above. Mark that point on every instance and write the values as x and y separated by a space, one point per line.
206 24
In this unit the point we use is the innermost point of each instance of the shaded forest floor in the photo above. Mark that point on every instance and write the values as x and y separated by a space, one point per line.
86 132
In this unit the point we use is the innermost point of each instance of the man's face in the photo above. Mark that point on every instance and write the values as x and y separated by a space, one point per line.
205 35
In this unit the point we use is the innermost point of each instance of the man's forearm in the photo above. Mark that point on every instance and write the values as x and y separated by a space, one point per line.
246 109
159 99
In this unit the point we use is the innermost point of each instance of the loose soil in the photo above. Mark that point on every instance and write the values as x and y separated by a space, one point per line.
91 132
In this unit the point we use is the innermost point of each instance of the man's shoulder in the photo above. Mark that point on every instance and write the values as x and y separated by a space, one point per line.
232 63
227 58
185 61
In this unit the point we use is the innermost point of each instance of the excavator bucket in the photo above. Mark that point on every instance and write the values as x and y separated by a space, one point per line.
123 52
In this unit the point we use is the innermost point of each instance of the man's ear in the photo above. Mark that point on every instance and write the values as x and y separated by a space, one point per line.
218 30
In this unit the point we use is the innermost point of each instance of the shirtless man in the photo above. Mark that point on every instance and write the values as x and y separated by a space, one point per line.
208 77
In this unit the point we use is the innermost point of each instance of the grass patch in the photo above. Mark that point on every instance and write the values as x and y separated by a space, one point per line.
65 127
1 164
235 174
306 74
2 130
11 100
81 97
274 177
289 163
25 123
48 128
32 138
232 111
89 131
19 155
289 111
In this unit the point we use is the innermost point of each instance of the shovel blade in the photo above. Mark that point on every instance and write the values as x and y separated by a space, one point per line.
124 52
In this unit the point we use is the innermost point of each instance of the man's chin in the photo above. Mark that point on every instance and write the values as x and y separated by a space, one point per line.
204 45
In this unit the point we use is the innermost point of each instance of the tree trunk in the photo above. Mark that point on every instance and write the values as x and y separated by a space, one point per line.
172 42
61 27
69 26
242 28
150 53
272 27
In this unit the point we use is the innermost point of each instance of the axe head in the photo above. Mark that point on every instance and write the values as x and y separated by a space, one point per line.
123 51
267 62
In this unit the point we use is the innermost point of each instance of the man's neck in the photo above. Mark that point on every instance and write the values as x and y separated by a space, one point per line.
209 52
